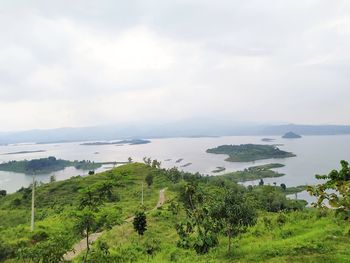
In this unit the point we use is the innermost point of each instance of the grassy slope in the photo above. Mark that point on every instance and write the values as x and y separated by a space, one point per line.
305 236
56 201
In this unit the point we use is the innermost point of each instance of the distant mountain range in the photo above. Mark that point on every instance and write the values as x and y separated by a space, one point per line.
187 128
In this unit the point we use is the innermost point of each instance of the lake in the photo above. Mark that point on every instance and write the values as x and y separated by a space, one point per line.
315 155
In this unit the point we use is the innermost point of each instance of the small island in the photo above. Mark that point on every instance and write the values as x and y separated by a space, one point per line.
129 142
219 169
46 165
24 152
291 135
267 139
250 152
255 173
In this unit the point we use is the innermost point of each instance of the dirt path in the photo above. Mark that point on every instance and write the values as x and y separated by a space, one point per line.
81 245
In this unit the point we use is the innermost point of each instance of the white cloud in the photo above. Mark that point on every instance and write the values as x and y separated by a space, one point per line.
89 63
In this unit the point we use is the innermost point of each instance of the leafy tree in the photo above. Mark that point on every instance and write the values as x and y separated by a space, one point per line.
147 161
130 160
336 190
50 250
283 186
199 229
140 222
52 178
3 193
235 213
174 175
261 182
156 164
90 201
91 172
149 179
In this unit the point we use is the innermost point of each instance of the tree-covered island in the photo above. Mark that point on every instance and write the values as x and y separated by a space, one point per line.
46 165
255 173
250 152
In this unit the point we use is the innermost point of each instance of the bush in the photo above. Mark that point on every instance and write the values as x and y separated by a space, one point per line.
281 219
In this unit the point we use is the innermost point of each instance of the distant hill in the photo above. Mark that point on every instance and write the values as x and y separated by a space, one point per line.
291 135
185 128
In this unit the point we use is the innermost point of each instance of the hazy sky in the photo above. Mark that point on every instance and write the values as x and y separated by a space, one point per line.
81 62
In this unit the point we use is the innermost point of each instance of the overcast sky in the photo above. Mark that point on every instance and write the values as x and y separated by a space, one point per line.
83 63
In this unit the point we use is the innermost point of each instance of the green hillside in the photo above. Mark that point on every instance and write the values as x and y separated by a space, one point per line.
280 230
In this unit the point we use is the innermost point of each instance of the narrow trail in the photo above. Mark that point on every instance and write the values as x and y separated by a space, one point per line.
81 245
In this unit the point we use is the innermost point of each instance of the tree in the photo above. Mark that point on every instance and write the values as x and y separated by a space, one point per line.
156 164
130 160
149 179
90 200
284 187
147 161
199 226
51 249
235 213
140 222
261 182
336 190
91 172
3 193
52 178
174 175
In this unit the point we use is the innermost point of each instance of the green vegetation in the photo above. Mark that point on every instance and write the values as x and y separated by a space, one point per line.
336 190
250 152
219 169
204 219
46 165
255 173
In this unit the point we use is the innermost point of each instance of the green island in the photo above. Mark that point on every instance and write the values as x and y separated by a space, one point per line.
219 169
46 165
191 224
255 173
250 152
267 139
130 142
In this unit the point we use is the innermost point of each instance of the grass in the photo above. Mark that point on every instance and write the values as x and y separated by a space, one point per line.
301 236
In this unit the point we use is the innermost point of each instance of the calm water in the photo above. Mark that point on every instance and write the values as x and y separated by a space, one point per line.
315 154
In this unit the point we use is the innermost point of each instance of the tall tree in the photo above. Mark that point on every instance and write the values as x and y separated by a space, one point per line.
140 222
149 179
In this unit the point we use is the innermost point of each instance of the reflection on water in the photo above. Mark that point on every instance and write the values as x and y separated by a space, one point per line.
315 154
